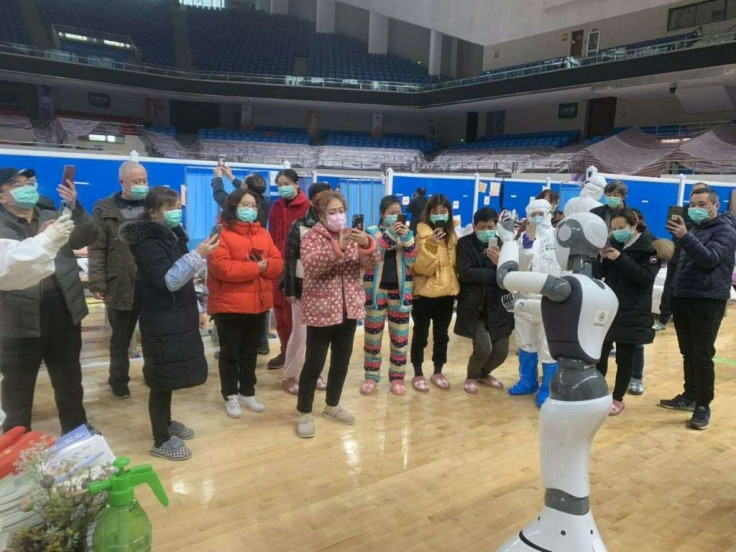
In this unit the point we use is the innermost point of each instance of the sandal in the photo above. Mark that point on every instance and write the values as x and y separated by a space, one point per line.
471 386
420 384
616 408
368 387
321 384
398 388
490 381
440 381
291 386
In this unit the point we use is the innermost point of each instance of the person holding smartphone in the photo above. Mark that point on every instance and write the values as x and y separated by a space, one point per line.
435 288
388 295
240 279
173 353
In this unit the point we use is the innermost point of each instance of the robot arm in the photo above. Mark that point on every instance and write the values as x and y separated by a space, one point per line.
521 306
509 277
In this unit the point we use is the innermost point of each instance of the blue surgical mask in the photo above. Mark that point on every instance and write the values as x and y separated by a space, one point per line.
138 192
25 197
172 218
613 202
438 218
485 235
247 214
698 214
622 236
538 220
287 192
390 220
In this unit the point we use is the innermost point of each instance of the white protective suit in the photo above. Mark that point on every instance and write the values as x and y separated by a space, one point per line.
589 195
541 257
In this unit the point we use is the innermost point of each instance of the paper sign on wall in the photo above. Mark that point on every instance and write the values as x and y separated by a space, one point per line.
487 200
455 205
405 200
482 187
495 189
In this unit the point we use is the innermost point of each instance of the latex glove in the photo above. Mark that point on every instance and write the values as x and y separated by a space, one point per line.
60 230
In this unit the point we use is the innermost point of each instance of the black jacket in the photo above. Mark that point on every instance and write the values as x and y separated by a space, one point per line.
606 213
173 354
291 281
477 275
416 208
631 277
20 310
705 261
220 195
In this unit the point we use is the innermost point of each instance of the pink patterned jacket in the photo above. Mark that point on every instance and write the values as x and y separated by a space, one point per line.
333 279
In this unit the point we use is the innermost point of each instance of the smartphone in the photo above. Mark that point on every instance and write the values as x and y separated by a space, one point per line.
401 218
221 160
674 211
358 222
494 243
70 171
441 224
257 254
216 229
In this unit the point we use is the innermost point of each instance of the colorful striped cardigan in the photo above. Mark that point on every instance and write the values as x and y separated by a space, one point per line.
387 239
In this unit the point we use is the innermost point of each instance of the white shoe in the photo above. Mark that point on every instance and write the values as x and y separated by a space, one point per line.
232 406
251 403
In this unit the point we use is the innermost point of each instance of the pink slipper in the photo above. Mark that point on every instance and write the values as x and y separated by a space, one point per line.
471 386
398 388
440 381
490 381
420 384
368 386
321 384
616 408
291 386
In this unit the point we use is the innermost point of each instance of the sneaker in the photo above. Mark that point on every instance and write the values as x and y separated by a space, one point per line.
120 393
305 427
679 402
701 418
178 429
232 406
251 403
636 387
339 414
658 327
264 349
173 449
277 363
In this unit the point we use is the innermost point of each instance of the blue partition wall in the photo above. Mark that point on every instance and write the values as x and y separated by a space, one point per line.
461 190
362 194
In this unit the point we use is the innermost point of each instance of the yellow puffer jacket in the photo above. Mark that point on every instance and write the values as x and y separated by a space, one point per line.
434 268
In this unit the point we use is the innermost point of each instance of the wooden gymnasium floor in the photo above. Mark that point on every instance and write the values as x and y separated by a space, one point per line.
438 472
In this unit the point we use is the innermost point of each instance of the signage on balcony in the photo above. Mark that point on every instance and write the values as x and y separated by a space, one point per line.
567 111
97 99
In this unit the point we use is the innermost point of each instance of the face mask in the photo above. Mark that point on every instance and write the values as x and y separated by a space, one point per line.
485 235
698 214
613 202
539 220
390 220
138 192
247 214
337 222
287 192
172 218
438 218
622 236
25 197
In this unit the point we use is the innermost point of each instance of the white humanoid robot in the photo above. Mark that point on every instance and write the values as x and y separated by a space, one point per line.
577 311
589 195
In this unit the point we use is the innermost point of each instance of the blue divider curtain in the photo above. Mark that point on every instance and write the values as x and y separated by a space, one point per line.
460 191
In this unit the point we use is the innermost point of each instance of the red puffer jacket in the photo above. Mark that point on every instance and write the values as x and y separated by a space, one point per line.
282 216
333 279
233 280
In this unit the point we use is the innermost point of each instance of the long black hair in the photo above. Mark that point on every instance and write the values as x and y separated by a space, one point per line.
439 200
386 202
158 197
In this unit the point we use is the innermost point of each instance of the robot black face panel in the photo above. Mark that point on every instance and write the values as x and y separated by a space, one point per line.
579 238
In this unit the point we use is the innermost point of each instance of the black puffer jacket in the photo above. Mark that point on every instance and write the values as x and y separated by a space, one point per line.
631 277
20 310
705 261
173 354
293 277
477 275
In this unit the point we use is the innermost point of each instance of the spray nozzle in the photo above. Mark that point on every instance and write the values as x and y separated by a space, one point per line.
122 483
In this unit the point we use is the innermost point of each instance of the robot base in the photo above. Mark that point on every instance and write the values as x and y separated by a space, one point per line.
555 531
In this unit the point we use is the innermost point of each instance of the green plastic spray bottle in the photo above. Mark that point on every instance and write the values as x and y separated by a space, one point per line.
123 526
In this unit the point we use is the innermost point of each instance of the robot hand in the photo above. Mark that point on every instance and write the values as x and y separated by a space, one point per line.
505 229
508 301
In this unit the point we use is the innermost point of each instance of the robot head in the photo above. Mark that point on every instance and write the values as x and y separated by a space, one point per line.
594 184
580 235
539 208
